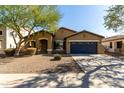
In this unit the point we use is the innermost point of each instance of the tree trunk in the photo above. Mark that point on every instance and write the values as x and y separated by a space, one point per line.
14 39
18 48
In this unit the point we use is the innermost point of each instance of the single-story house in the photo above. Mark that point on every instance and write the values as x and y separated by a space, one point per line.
68 41
114 44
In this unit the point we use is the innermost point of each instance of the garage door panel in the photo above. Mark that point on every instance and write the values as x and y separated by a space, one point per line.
83 47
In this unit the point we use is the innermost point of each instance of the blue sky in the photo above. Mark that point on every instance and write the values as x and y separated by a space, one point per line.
84 17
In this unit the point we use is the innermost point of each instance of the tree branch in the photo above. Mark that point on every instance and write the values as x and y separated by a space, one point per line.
14 39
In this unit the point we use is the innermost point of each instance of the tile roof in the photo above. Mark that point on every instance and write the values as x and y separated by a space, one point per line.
86 32
113 38
68 29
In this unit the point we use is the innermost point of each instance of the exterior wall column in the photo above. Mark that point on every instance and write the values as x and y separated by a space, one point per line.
67 47
49 45
37 45
114 46
100 48
122 47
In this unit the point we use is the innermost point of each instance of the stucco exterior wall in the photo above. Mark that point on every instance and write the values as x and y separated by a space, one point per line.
9 39
40 36
85 37
3 37
106 44
62 33
101 49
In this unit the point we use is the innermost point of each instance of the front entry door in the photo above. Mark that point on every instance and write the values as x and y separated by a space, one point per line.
43 46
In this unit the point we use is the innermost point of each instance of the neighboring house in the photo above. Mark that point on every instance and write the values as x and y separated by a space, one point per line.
114 44
68 41
6 38
2 38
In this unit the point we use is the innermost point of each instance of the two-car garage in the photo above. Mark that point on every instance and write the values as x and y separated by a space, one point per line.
83 47
84 42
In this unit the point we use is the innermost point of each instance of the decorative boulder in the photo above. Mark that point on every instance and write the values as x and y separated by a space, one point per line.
57 57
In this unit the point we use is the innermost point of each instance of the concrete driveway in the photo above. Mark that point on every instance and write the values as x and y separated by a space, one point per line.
101 70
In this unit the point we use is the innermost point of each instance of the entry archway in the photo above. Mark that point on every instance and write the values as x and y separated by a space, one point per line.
43 45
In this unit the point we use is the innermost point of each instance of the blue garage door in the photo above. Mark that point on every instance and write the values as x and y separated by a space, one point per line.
83 47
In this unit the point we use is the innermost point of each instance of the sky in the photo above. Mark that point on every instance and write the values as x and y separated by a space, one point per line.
85 17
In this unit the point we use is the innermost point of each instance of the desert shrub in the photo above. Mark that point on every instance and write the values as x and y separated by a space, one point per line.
2 54
30 51
27 51
57 57
9 52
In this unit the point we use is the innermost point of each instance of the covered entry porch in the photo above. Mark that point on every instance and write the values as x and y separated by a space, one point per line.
117 46
42 42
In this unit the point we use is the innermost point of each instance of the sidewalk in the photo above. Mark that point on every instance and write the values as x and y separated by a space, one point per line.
53 80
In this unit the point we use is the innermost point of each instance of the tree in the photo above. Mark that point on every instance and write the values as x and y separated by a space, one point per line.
115 18
28 18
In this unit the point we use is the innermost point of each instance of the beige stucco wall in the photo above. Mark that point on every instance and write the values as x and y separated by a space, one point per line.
114 45
85 37
101 49
3 37
40 36
107 45
62 33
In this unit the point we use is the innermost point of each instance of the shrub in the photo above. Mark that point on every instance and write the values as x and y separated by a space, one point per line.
9 52
2 54
27 51
31 51
57 57
58 52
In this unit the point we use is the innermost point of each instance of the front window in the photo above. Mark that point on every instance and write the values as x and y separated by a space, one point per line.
119 44
110 44
0 32
58 45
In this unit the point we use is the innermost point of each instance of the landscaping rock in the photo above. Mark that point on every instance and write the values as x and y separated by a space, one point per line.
57 57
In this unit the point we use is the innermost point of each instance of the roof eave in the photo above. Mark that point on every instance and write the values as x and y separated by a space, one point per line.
83 32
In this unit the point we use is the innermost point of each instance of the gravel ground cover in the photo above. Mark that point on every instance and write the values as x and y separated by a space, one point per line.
38 64
39 71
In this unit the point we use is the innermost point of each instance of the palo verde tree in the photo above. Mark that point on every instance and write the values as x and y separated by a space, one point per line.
114 19
28 18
